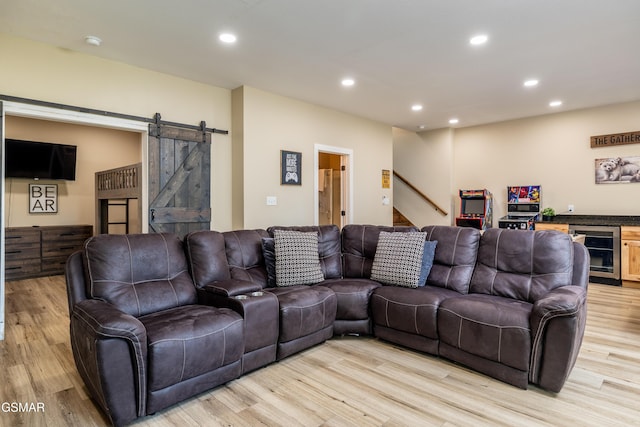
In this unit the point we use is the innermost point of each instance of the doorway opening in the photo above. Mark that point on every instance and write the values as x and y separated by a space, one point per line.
56 114
333 186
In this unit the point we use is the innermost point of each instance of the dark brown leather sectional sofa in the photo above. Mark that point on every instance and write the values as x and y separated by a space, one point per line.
155 319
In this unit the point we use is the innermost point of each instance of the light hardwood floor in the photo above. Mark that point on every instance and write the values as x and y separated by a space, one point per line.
353 381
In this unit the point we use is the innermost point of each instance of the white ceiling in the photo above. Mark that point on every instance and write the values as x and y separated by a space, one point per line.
400 52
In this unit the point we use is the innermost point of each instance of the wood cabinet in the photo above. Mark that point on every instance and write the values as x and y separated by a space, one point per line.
41 251
21 252
552 226
630 256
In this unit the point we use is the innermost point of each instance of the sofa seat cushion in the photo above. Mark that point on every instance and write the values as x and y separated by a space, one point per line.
409 310
353 297
491 327
304 310
191 340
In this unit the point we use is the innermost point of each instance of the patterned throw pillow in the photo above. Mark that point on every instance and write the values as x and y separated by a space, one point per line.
297 259
398 258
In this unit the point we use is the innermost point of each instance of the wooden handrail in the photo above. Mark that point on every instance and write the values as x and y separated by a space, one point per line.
421 194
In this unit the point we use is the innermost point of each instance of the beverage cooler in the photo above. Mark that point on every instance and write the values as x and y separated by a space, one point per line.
603 244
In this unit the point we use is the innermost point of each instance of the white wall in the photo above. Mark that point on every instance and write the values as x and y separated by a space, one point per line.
42 72
426 161
553 151
272 123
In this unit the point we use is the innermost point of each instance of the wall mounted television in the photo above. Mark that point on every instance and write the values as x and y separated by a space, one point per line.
39 160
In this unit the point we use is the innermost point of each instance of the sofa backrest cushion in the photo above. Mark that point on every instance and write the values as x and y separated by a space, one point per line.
455 257
244 255
359 244
138 273
328 247
207 257
522 264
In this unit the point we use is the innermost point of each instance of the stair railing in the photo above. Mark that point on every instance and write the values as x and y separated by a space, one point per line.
421 194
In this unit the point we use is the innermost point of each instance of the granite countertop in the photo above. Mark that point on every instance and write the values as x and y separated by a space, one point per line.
610 220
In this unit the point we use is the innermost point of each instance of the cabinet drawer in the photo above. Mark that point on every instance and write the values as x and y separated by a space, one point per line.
64 248
65 234
16 252
21 237
54 265
552 226
17 269
63 241
629 233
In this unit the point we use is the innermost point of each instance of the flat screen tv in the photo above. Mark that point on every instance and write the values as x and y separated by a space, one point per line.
39 160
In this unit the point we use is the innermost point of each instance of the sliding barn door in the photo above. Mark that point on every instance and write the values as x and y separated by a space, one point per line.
179 179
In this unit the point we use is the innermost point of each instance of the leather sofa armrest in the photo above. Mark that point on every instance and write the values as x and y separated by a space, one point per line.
557 328
562 301
108 321
110 352
74 278
231 287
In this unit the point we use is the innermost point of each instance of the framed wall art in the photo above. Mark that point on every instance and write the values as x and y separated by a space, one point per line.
614 170
290 168
43 198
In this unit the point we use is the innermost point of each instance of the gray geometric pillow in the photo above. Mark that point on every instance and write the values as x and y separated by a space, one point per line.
297 259
398 258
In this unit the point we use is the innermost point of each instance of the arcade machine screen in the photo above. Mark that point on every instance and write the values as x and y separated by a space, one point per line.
473 207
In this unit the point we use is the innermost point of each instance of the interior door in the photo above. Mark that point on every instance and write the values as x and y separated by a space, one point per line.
179 179
325 196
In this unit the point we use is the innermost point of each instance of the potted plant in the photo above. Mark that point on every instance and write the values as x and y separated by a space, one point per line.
548 214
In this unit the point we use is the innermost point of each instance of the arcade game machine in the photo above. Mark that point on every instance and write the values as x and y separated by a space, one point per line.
476 209
523 207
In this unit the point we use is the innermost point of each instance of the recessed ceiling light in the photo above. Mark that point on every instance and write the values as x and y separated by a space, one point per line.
227 38
348 82
416 107
421 127
93 40
479 39
531 83
453 121
556 103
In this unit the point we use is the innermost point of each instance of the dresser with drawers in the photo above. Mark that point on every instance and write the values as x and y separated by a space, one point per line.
41 251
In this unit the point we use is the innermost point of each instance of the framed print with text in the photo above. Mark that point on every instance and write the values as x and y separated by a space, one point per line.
290 168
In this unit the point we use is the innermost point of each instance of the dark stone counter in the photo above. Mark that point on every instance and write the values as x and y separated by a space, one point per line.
608 220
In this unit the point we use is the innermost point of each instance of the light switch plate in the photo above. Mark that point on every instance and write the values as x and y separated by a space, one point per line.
272 200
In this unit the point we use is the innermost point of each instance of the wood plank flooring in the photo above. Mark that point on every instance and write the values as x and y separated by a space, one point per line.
351 381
